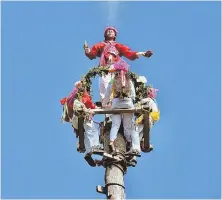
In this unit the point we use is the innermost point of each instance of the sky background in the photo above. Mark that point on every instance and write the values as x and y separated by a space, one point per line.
42 57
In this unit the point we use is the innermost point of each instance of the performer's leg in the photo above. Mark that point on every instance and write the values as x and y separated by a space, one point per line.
87 144
92 134
139 129
116 122
136 139
91 139
103 84
128 125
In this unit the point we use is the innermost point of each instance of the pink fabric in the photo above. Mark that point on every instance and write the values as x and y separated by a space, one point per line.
72 95
121 65
152 93
109 49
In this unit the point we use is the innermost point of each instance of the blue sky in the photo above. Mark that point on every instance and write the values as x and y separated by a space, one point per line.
42 56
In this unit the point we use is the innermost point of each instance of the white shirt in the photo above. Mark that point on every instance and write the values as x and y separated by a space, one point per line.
151 103
119 102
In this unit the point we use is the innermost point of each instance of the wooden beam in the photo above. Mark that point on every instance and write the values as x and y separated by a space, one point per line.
81 135
119 110
146 132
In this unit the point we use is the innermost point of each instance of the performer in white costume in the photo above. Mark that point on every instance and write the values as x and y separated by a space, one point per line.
91 135
111 52
153 117
121 93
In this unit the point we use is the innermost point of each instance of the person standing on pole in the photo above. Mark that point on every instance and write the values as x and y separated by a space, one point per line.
110 52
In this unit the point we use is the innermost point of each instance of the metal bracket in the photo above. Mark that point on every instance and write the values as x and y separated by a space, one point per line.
148 149
101 189
81 150
98 152
132 154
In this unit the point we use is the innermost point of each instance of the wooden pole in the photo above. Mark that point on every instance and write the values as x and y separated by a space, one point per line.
114 173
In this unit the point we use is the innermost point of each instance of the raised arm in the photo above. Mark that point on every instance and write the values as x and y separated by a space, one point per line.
92 53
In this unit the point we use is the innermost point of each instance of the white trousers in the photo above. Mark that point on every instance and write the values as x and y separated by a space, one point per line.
128 126
103 84
138 135
91 138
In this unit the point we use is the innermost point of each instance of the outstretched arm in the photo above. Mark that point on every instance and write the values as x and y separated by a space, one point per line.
147 54
132 55
126 52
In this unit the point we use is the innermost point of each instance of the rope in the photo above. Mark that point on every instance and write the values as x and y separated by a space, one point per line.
108 184
122 162
123 171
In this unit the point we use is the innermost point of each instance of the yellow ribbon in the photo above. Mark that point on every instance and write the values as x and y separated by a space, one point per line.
154 115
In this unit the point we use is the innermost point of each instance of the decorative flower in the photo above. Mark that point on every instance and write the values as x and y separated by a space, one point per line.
87 100
141 79
78 84
152 92
63 101
121 65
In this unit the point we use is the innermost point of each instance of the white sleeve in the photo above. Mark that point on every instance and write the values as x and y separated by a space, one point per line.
143 101
151 103
78 105
154 106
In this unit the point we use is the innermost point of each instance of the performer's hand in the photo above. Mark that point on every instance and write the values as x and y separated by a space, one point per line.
86 47
140 53
148 54
87 50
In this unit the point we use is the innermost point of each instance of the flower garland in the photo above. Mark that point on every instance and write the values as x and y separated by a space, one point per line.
84 85
86 80
79 91
140 86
